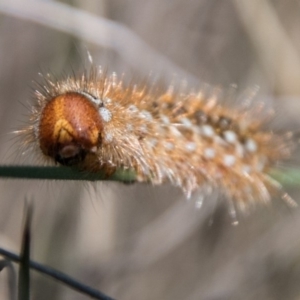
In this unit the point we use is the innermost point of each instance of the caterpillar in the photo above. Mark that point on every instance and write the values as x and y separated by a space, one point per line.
95 121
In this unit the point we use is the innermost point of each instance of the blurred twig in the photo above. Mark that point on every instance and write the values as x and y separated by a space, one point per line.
267 32
104 33
74 284
6 263
24 270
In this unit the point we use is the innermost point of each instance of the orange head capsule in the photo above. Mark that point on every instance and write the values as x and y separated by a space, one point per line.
70 127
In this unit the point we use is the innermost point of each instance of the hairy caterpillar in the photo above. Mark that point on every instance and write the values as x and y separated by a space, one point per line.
96 122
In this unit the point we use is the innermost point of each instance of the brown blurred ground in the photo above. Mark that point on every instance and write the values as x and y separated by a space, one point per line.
136 241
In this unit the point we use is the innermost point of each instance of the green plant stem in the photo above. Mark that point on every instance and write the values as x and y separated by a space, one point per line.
63 173
288 178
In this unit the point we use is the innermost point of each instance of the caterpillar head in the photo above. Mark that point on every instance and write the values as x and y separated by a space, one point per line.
70 127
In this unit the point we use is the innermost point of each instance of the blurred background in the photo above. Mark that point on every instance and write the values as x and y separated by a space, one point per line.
137 241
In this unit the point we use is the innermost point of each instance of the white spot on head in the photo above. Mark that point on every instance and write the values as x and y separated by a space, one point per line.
132 108
105 114
228 160
186 122
165 119
209 153
146 115
207 130
230 136
251 145
190 146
